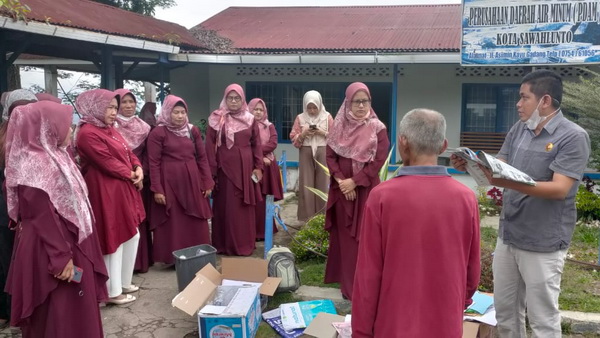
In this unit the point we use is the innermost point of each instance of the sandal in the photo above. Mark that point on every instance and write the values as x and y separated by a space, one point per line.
126 300
131 288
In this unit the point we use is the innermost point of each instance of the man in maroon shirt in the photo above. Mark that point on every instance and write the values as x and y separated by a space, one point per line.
418 260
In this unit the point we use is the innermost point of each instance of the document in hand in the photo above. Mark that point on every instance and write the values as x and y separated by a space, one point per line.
498 168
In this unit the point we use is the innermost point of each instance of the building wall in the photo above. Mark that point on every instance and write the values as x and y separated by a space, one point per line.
202 86
434 86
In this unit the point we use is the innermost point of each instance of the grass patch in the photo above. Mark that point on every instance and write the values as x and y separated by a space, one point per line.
312 273
580 286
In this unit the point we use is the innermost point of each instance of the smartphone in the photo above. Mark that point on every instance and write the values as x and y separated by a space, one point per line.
78 274
313 126
254 178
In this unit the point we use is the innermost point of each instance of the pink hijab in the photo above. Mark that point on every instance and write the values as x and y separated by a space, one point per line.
92 106
47 97
35 159
164 119
148 113
263 124
230 121
352 137
133 129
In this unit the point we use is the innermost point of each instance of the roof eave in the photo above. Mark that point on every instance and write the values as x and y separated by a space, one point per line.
299 58
85 35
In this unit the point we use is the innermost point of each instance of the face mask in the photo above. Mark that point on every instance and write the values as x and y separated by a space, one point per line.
535 119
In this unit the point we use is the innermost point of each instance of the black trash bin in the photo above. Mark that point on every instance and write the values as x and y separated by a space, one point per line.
190 260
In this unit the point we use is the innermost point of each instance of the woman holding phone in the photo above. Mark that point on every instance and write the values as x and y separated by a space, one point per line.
57 277
309 135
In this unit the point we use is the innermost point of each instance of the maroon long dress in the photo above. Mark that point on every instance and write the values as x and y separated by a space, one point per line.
269 185
144 259
235 194
176 173
343 217
44 306
106 165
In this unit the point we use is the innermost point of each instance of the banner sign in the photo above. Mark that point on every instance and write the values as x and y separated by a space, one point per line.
530 32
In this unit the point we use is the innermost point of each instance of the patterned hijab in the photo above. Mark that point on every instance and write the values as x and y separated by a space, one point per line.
231 122
36 159
133 129
16 95
263 124
148 113
47 97
353 137
92 106
164 119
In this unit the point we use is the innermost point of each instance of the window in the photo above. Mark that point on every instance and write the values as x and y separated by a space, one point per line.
489 108
284 100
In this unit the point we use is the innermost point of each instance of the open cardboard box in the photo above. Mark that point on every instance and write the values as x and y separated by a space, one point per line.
321 327
202 288
478 330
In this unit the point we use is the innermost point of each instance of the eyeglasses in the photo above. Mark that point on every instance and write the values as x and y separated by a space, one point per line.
365 102
234 98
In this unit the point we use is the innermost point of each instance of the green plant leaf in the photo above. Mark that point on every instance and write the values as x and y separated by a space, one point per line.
324 167
321 194
383 172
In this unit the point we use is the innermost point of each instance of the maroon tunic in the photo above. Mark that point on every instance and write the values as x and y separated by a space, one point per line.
144 259
418 264
343 217
176 173
270 185
44 306
106 167
235 195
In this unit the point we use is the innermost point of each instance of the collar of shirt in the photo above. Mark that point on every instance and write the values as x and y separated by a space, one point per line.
427 170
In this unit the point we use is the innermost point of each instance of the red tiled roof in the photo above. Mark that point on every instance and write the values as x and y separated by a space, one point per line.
97 17
419 28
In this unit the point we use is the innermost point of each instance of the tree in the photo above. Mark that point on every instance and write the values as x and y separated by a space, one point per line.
581 100
145 7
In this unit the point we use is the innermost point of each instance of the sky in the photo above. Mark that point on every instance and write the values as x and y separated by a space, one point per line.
189 13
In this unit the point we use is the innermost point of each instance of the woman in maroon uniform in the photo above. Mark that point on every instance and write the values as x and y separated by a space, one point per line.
181 181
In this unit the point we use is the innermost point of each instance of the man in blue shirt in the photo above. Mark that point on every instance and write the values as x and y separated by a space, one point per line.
537 222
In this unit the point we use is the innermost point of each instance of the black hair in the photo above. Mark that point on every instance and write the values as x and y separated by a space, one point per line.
545 82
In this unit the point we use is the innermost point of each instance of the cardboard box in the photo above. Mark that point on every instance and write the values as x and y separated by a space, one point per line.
321 326
478 330
202 288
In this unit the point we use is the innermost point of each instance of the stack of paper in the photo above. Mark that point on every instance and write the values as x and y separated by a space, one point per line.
482 309
481 303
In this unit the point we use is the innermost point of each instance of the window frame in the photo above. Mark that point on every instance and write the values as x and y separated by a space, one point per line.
500 105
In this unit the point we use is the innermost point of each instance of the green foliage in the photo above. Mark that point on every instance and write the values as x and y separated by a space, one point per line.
580 289
201 124
314 236
145 7
487 205
581 100
486 280
588 204
17 9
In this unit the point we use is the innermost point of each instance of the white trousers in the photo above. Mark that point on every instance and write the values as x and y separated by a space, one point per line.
527 280
120 266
